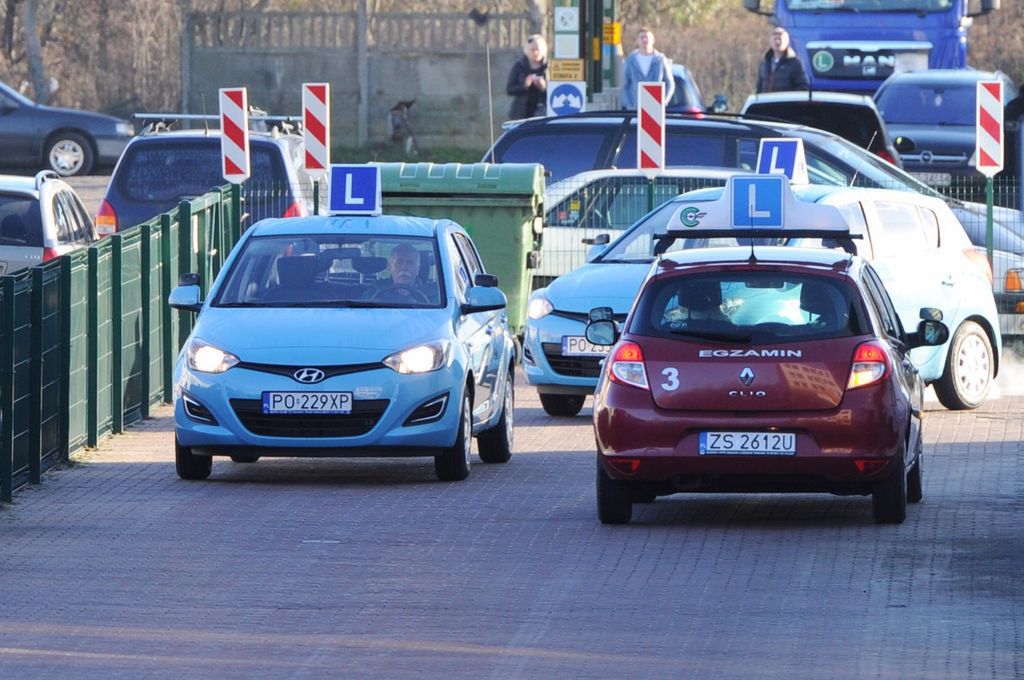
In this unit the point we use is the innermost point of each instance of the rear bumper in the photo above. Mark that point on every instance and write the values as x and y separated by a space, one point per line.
665 444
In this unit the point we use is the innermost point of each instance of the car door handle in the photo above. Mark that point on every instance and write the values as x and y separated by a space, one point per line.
948 281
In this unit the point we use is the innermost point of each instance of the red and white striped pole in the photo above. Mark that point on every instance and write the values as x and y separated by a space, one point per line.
316 127
650 129
988 145
234 138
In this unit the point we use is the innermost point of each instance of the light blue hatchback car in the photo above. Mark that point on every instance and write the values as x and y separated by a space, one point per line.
346 336
915 242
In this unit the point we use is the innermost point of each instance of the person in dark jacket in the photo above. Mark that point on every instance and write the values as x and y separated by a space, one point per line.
781 70
527 81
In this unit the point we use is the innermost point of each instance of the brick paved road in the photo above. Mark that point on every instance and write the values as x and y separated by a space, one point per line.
117 569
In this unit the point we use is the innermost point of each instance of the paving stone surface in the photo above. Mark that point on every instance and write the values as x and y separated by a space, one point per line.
115 568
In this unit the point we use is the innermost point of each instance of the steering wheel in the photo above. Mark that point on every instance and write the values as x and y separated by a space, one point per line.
395 292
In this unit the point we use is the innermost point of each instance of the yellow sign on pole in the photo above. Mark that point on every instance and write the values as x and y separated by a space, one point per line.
565 69
612 32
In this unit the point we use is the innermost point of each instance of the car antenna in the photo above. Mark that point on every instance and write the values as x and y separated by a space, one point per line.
857 171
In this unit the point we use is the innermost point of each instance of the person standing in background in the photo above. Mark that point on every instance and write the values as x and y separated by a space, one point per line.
527 81
643 65
781 69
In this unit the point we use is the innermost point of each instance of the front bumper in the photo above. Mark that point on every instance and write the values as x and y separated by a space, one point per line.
544 365
382 403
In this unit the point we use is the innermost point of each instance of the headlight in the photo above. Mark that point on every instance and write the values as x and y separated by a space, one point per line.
125 128
539 307
420 359
204 357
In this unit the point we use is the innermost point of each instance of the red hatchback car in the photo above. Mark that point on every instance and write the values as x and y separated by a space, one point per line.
760 369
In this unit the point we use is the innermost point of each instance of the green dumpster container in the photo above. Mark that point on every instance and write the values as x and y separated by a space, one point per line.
500 205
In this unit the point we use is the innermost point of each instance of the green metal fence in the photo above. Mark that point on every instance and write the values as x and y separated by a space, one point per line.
87 341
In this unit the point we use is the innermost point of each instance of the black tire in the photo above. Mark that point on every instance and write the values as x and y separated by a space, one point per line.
495 444
562 404
69 153
613 503
889 500
970 365
453 464
190 466
245 459
915 481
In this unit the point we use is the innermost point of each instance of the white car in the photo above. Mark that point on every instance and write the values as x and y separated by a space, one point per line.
581 208
41 218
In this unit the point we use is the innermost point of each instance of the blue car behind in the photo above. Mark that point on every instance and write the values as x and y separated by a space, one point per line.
311 344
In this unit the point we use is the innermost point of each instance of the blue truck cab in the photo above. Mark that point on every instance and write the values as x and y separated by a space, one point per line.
853 45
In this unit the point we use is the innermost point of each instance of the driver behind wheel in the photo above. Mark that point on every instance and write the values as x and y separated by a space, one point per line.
404 284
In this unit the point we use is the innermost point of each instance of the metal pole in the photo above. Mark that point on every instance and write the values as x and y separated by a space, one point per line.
316 196
988 219
490 95
363 73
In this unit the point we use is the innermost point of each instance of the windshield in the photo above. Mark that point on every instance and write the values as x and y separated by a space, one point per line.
869 5
928 104
13 94
333 270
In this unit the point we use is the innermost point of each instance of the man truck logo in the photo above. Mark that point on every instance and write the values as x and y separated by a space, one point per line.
746 375
690 216
823 61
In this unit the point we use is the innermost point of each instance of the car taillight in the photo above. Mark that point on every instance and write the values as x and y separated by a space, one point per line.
295 210
886 156
1012 281
870 365
50 254
106 219
981 260
627 366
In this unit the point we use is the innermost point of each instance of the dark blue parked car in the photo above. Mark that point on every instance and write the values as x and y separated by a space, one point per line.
159 169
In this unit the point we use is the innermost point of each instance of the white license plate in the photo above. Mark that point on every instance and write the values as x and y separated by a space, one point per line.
578 346
747 444
307 402
935 179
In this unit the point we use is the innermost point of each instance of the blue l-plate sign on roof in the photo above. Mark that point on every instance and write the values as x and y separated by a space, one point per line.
355 190
757 202
783 156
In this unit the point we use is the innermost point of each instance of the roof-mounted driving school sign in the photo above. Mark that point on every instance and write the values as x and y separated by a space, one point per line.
783 156
234 138
355 190
759 205
316 127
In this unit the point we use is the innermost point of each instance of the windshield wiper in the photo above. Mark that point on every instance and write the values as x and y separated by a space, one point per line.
709 335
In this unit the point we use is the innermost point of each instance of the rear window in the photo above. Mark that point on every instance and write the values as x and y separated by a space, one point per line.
562 155
171 169
749 306
858 124
680 149
20 221
928 104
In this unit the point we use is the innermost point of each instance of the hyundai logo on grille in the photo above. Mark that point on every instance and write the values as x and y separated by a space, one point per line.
308 375
746 375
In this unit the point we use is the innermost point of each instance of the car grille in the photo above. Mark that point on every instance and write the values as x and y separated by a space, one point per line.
576 367
365 414
584 317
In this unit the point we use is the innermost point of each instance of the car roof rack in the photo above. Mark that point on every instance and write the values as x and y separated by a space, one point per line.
259 121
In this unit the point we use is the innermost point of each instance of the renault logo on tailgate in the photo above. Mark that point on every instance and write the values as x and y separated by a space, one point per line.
308 375
746 375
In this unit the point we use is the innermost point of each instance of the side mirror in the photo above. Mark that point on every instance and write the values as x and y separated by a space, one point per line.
602 332
601 314
485 280
483 299
720 104
599 240
904 144
986 7
930 333
930 314
7 108
185 298
188 279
